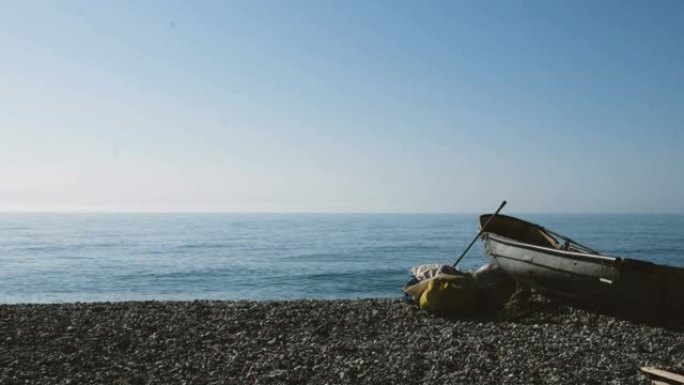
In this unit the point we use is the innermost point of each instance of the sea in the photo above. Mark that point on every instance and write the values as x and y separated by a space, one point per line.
62 258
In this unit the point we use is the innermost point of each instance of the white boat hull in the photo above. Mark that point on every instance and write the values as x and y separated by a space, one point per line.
592 278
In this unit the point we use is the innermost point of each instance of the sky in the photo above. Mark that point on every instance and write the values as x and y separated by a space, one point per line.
342 106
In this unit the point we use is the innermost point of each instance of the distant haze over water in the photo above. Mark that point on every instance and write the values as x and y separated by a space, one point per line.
116 257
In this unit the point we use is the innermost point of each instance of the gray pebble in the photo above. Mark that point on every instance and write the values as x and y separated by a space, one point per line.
317 342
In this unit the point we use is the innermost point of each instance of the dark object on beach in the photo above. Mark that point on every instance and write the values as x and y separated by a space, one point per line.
662 377
534 256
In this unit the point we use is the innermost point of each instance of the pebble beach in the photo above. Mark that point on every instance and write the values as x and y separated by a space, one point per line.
321 342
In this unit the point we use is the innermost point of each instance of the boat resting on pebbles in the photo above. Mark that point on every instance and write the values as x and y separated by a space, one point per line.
560 267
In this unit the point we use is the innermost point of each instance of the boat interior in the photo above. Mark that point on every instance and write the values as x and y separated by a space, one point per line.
519 230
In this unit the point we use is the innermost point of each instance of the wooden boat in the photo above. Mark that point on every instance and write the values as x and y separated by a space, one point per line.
535 256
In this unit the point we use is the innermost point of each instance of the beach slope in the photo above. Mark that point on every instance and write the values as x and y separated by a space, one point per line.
317 342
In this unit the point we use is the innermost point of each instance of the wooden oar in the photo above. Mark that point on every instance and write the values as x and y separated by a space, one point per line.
480 233
659 376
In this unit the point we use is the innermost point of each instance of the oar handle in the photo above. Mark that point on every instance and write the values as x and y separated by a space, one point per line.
480 233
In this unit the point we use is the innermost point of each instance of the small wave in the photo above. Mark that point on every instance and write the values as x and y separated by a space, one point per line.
402 248
75 246
14 228
51 248
193 246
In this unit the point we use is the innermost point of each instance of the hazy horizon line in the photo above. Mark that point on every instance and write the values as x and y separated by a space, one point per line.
199 212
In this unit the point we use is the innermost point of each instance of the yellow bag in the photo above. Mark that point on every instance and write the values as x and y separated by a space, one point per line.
447 294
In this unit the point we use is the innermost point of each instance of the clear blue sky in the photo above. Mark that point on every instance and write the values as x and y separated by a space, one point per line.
342 106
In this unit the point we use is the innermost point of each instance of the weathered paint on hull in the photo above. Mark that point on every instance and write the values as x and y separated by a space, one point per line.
596 279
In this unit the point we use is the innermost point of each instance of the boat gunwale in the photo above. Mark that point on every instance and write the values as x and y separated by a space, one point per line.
555 269
548 250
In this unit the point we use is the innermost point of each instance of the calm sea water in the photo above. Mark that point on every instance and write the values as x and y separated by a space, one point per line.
116 257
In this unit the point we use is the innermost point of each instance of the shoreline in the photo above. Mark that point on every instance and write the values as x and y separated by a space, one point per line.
364 341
